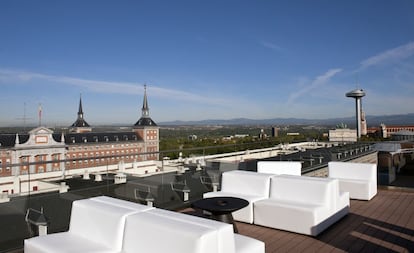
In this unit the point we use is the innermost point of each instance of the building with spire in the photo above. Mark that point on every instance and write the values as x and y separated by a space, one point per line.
80 125
146 128
43 154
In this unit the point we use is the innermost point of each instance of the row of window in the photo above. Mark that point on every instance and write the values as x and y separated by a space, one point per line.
39 169
125 153
103 153
393 130
101 160
39 158
106 138
79 148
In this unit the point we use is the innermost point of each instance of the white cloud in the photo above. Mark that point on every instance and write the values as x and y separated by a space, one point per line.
391 55
113 87
271 45
316 83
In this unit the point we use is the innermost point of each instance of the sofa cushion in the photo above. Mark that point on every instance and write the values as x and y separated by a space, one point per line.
152 233
64 242
349 170
280 167
99 222
299 217
358 189
246 182
94 227
300 189
122 203
225 234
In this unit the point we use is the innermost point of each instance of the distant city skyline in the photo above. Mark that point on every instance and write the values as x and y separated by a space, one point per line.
203 59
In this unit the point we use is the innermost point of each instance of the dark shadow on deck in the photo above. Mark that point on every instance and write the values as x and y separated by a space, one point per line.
364 234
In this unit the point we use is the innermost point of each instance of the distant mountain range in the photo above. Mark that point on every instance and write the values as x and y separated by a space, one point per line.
397 119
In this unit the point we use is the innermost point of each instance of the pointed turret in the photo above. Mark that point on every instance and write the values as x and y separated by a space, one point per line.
148 131
80 125
80 111
145 109
145 119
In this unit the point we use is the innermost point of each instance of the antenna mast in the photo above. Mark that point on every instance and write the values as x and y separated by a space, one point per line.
40 114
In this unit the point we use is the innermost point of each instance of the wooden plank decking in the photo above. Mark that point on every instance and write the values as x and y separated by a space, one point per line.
383 224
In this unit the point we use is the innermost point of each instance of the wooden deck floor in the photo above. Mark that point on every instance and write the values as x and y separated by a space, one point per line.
383 224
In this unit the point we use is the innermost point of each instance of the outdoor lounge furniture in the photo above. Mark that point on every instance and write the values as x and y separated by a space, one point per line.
151 233
359 179
248 185
106 225
221 208
280 167
306 205
94 227
205 235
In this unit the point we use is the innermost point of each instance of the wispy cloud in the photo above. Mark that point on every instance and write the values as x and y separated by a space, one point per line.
391 55
113 87
271 45
316 83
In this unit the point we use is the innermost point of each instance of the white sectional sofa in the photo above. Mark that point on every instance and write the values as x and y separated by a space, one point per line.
95 226
306 205
178 233
359 179
248 185
122 203
107 225
280 167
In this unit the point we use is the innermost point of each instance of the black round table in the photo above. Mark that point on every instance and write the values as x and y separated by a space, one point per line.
221 208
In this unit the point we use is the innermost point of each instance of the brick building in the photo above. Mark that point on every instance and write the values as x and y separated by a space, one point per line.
41 150
384 131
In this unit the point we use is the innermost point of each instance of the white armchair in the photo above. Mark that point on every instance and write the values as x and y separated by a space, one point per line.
359 179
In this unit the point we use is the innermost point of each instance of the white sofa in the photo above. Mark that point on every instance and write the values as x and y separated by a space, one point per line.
280 167
359 179
306 205
248 185
122 203
179 233
105 225
94 227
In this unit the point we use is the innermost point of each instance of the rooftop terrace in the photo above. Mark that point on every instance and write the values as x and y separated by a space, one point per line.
383 224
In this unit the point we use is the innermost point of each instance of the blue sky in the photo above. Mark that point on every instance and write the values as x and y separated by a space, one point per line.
216 59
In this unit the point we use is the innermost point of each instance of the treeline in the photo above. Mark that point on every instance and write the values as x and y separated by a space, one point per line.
216 140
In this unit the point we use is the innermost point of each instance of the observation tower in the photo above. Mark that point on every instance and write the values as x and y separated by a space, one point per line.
357 95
